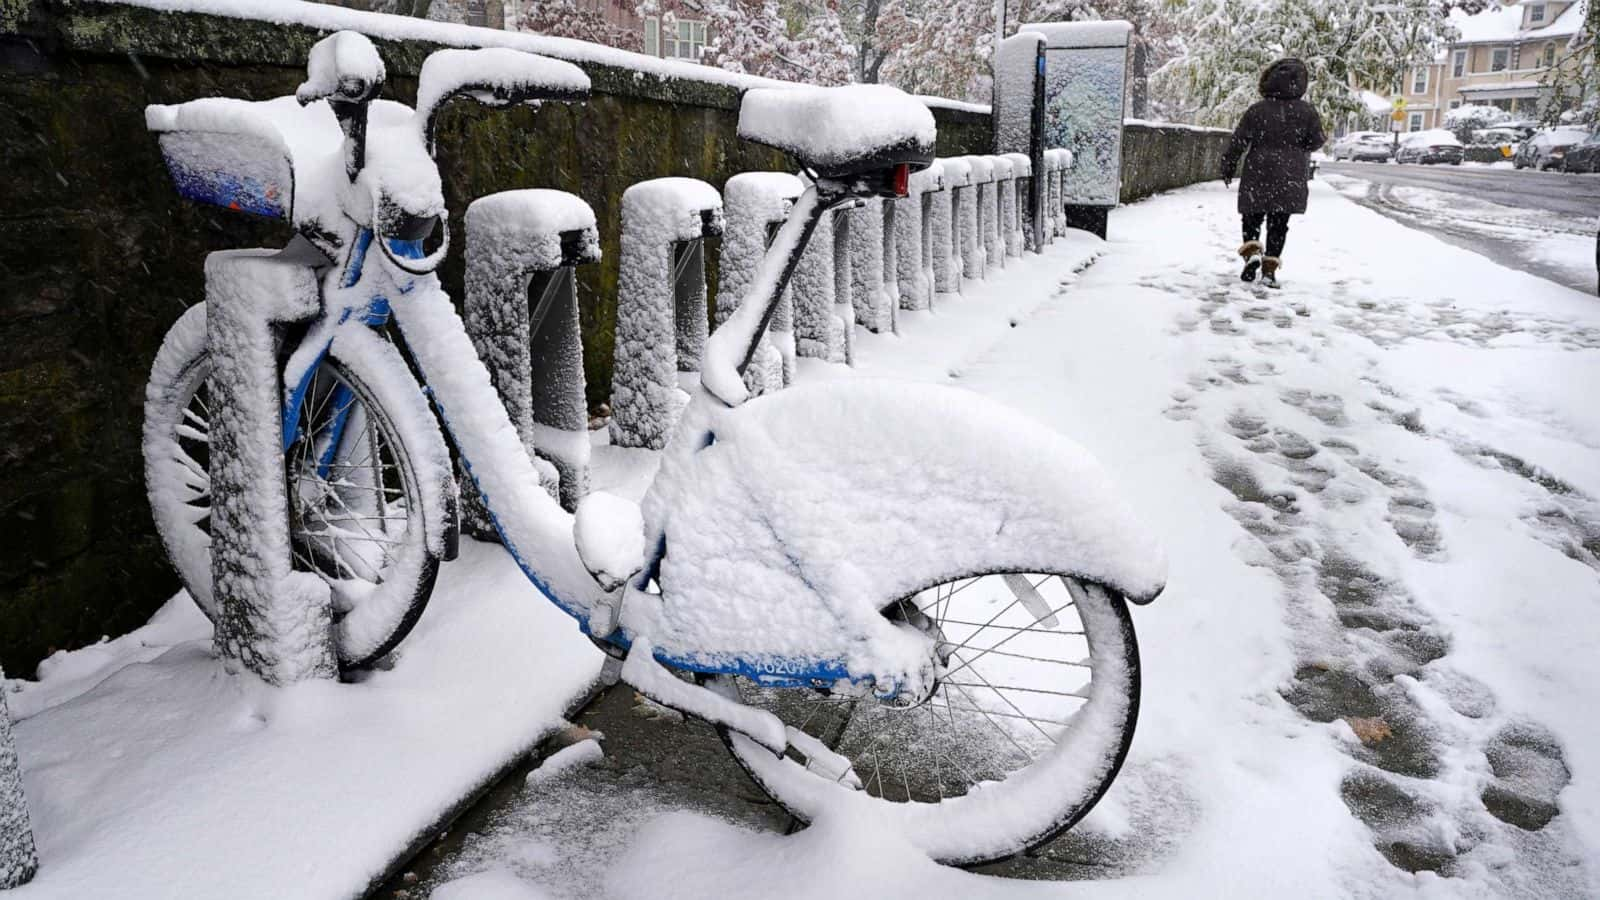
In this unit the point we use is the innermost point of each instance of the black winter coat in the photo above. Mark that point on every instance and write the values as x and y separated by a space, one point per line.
1274 137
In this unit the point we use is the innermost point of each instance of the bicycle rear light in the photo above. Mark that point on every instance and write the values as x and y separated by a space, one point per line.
902 180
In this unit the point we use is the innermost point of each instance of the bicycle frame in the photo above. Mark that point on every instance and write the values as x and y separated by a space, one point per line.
356 296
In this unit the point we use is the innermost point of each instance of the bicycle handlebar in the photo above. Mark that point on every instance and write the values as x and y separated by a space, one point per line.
345 70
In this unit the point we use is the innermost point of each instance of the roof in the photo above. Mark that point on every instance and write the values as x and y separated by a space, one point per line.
1502 25
1501 86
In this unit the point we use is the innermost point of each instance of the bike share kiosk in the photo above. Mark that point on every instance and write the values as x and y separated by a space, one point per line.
1063 85
523 250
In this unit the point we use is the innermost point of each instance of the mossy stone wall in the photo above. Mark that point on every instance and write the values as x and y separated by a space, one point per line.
1158 158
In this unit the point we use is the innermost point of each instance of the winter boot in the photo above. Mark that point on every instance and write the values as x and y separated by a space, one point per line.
1269 271
1250 252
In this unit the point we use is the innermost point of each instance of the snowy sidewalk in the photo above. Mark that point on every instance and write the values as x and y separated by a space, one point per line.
1374 670
150 773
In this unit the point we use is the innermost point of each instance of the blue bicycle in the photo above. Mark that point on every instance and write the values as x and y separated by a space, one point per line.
879 593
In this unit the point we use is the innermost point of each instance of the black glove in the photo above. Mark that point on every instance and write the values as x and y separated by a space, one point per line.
1227 181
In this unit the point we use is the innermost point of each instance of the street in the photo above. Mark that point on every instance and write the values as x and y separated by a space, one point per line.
1539 222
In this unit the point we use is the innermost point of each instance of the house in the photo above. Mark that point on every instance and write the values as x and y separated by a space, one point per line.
1501 58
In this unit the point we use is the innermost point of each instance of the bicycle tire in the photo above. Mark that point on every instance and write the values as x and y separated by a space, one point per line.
1024 808
367 627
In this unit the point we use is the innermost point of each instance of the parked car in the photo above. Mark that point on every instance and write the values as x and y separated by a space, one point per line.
1427 147
1548 149
1360 145
1525 128
1585 157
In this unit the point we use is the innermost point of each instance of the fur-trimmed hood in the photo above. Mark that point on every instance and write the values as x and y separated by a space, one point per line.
1285 79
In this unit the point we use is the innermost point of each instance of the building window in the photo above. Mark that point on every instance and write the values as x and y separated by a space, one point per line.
652 37
1456 103
685 41
1458 64
1415 123
1549 54
1419 81
1499 59
1536 14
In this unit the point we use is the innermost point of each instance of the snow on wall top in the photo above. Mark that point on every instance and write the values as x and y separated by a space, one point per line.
831 126
406 28
1199 129
1063 35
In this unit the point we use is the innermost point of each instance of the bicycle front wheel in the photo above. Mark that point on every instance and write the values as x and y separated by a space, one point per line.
364 475
1028 726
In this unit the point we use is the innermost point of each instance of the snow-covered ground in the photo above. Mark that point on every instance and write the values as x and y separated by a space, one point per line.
151 773
1374 668
1372 674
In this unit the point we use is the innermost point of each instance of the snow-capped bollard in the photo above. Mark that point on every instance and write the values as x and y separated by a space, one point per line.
755 204
994 238
522 315
1005 183
271 620
910 233
661 305
872 310
819 332
844 304
1056 161
932 185
1020 217
956 175
19 859
974 219
891 265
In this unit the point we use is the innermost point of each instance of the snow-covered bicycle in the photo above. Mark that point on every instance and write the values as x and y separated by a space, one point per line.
880 593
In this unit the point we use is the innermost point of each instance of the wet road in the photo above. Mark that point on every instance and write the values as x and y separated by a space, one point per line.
1542 223
1554 192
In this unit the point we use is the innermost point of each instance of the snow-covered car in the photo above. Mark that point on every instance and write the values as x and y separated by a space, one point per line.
1548 149
1584 157
1426 147
1360 145
1525 128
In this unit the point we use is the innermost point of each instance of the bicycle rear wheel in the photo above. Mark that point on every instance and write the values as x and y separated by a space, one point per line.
1030 722
363 476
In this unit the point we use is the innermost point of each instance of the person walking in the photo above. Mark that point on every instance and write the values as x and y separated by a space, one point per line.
1274 139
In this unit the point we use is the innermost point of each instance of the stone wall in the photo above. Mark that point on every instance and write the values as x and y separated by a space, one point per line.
1159 158
100 256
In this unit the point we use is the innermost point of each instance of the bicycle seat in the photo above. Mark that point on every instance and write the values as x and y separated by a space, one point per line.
245 155
839 132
